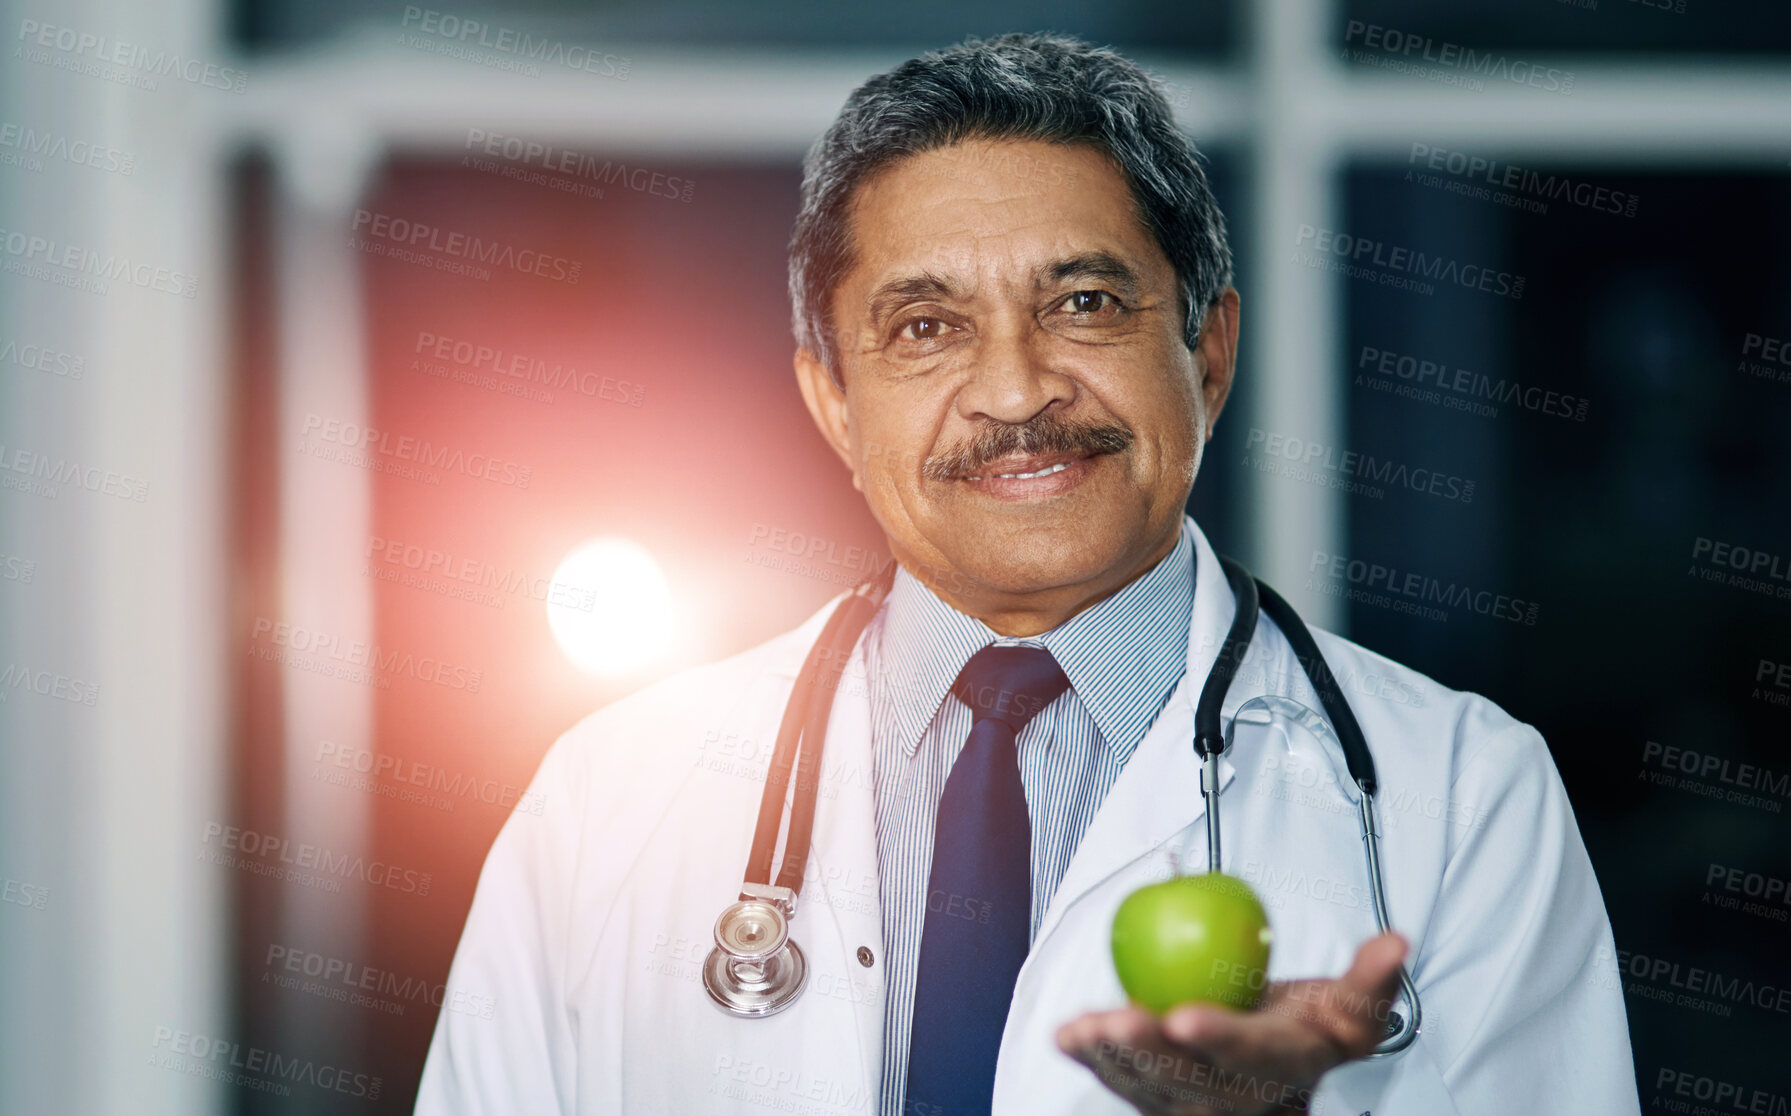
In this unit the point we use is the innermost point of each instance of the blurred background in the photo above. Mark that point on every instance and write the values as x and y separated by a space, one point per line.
379 381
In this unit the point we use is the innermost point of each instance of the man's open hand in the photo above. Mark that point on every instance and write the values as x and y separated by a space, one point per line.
1201 1060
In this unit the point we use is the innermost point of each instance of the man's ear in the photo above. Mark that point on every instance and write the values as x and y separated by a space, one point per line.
826 403
1218 350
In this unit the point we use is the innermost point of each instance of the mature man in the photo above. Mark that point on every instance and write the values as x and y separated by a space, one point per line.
1016 329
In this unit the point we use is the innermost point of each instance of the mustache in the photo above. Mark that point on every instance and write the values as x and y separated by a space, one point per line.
1045 433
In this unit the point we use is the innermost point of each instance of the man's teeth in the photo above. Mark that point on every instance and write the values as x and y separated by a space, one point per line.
1045 472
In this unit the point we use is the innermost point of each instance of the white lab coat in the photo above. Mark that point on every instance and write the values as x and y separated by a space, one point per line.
591 919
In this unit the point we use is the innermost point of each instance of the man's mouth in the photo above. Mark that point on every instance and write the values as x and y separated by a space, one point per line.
1032 477
1025 468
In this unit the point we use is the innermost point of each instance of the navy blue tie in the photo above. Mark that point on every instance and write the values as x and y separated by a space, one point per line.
978 923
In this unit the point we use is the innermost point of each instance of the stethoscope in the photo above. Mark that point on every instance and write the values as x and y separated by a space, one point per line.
755 968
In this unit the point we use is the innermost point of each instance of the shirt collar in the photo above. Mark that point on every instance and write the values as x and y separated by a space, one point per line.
1123 656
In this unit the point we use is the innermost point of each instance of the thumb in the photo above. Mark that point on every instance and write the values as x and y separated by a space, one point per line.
1366 991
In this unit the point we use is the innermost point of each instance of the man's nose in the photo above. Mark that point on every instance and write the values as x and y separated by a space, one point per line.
1014 378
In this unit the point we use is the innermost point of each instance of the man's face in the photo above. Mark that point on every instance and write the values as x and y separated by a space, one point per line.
1021 411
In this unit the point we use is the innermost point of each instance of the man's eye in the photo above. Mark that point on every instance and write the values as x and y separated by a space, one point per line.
923 329
1088 302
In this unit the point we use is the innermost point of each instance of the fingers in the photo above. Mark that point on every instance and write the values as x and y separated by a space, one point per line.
1129 1054
1098 1040
1344 1018
1278 1040
1350 1012
1084 1035
1301 1030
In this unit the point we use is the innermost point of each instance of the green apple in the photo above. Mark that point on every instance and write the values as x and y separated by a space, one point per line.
1192 938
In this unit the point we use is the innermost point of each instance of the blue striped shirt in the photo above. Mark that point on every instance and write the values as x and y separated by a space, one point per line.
1123 658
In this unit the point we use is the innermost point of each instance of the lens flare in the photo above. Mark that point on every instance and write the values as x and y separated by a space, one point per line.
610 608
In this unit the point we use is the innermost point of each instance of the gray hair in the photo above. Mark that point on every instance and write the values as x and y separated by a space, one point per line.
1022 86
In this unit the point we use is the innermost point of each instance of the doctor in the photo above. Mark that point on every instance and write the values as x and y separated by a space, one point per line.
1016 329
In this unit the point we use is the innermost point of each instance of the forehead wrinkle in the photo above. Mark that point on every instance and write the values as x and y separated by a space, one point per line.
929 284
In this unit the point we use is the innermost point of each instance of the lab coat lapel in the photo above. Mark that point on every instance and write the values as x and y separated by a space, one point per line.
840 889
1157 795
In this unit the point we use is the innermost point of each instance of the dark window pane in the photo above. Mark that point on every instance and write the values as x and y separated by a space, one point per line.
1624 423
1204 28
1576 26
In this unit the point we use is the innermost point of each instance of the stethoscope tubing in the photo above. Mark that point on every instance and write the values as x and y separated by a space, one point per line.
1209 743
802 738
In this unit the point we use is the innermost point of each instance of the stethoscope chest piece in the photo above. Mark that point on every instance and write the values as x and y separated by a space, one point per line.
755 969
